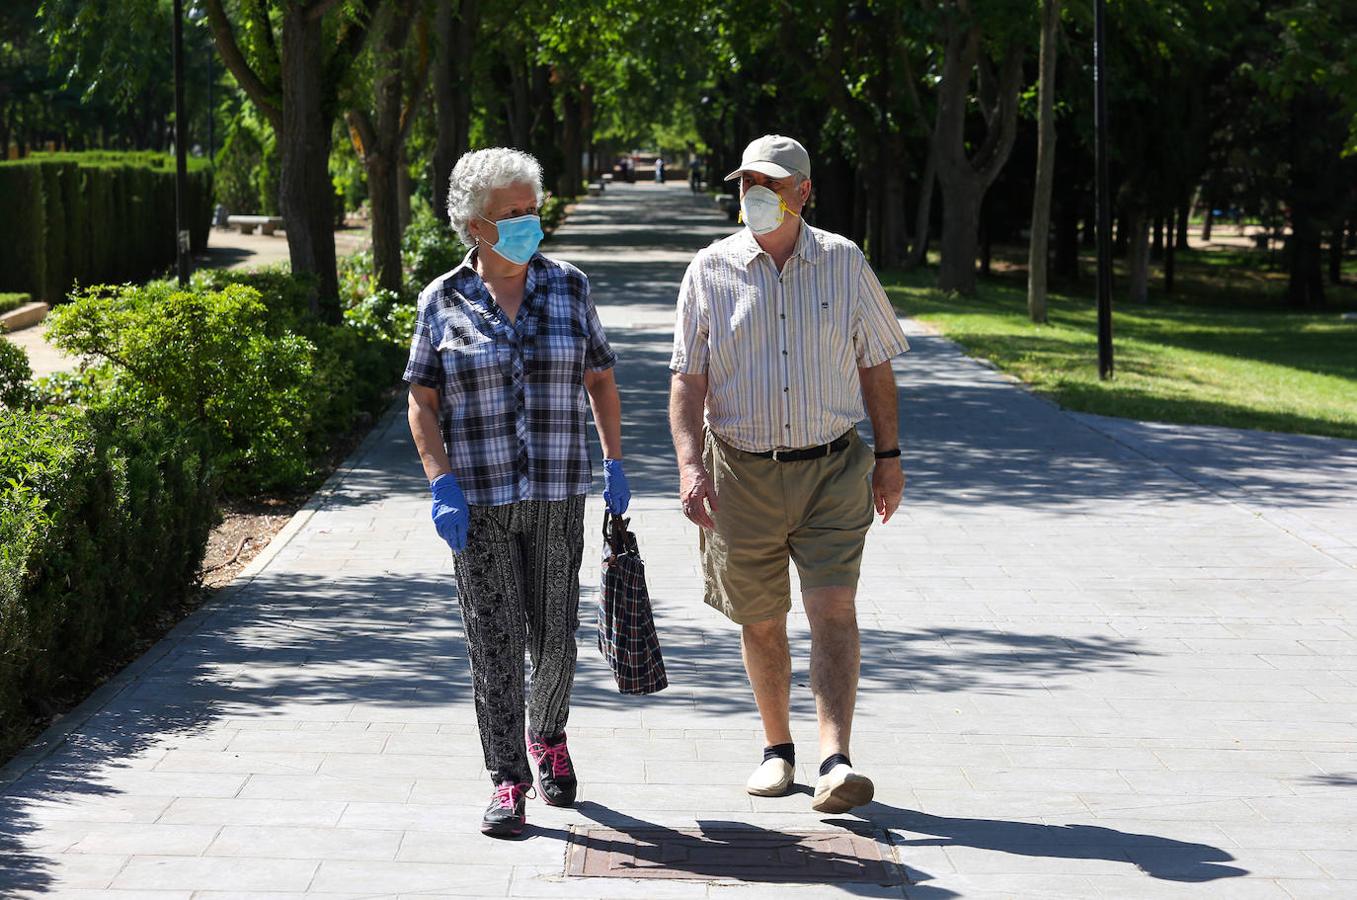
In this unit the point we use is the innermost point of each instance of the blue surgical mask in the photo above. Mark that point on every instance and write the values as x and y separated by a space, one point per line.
518 238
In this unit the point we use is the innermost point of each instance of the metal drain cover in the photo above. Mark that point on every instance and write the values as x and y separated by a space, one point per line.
737 854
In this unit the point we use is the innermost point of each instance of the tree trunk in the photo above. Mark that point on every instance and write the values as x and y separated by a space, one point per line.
1170 251
383 187
891 208
404 188
305 192
1065 263
1336 254
1180 233
395 95
1208 216
923 215
1138 254
960 236
1157 245
1038 242
568 185
965 178
1305 288
456 34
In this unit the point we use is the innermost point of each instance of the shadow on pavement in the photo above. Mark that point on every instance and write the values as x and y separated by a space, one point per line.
1159 857
655 844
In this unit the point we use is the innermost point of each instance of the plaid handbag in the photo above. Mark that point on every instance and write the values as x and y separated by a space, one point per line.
626 629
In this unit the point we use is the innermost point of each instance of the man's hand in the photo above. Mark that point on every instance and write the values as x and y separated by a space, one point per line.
888 486
697 493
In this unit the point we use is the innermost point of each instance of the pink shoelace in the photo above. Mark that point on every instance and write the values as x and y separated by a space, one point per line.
507 794
559 756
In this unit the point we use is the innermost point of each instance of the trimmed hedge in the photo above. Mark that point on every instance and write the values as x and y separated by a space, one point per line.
93 217
13 301
104 517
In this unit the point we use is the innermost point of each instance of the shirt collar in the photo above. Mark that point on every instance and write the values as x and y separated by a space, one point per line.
807 245
467 282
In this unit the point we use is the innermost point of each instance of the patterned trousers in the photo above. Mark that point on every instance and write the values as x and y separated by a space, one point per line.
517 579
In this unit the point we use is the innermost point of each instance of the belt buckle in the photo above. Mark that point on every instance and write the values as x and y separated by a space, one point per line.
777 455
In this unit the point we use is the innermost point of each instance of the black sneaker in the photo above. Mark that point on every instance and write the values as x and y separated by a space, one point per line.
507 813
555 771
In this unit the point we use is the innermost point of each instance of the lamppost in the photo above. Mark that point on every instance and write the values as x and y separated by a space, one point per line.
1103 202
181 232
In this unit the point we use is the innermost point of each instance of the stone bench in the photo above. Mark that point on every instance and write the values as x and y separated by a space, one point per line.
247 224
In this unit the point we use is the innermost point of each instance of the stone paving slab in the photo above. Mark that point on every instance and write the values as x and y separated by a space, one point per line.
1100 659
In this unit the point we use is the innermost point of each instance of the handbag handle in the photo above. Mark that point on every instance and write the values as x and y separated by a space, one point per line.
614 532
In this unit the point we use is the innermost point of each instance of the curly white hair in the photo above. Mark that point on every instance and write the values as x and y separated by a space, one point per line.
481 171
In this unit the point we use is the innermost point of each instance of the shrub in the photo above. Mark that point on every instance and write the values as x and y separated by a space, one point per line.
15 373
207 358
553 212
429 248
104 516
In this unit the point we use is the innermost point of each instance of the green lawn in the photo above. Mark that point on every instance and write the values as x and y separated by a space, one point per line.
1199 363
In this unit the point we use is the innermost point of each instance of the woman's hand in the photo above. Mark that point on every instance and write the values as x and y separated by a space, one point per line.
616 492
450 512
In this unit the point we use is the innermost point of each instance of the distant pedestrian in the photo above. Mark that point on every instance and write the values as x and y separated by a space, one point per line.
659 169
695 174
506 348
783 332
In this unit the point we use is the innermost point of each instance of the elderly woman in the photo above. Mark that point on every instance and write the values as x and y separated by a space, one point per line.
506 347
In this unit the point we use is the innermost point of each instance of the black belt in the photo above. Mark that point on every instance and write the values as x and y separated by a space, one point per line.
833 446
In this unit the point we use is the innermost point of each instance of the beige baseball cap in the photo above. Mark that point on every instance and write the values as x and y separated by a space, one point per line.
775 156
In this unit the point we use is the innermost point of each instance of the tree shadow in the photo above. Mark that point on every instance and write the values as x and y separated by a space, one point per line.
1162 858
721 850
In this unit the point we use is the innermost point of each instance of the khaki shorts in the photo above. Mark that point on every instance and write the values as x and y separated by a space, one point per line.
815 512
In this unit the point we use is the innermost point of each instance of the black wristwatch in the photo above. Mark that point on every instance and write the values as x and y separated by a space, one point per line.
887 454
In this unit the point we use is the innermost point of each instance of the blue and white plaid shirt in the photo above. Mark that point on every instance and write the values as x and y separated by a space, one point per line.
511 394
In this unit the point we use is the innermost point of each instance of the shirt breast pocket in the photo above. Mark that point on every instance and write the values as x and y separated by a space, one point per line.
463 348
557 353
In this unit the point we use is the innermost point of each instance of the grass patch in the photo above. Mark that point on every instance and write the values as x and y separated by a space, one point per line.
10 302
1193 363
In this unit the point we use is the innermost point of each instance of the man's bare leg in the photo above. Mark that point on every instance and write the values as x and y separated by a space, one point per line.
768 661
834 661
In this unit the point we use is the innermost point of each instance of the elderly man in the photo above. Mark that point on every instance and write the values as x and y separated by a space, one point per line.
783 332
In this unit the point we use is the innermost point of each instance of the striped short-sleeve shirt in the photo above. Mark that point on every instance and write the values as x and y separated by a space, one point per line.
781 351
512 406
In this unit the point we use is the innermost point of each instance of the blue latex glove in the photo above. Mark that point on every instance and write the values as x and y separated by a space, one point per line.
450 512
616 493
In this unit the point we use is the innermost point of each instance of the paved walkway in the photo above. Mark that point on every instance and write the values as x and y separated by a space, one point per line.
1101 659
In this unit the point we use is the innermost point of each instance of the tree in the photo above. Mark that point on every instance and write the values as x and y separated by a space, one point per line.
399 69
294 59
996 66
456 27
1041 199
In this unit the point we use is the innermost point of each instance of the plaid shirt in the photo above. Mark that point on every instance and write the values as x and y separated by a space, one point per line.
511 394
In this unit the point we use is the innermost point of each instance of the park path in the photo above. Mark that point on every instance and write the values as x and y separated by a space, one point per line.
1100 659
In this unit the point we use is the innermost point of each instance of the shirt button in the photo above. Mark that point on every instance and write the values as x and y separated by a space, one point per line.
784 352
782 316
785 390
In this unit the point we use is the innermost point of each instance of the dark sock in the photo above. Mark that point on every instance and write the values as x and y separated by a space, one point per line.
553 741
833 761
781 751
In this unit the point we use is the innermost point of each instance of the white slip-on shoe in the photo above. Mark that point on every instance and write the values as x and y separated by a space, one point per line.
841 789
771 779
